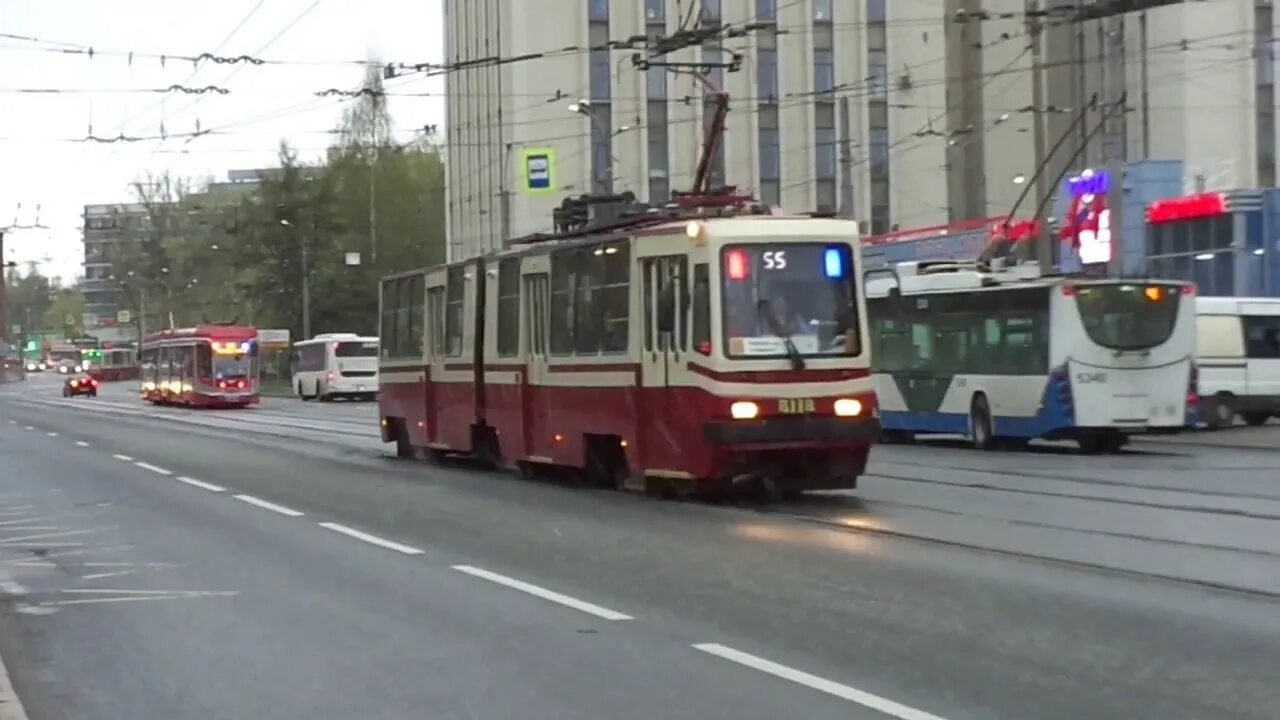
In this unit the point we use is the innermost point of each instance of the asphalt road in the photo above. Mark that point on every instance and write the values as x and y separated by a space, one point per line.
953 584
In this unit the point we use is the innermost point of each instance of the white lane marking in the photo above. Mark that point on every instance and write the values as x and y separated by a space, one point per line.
13 422
201 484
543 593
81 443
43 535
371 539
99 576
268 506
180 595
865 699
28 427
125 458
153 468
52 434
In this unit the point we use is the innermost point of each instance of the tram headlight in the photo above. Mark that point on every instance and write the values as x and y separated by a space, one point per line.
744 410
848 407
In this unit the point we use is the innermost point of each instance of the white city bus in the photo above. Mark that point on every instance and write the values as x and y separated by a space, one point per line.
336 365
1238 352
1003 355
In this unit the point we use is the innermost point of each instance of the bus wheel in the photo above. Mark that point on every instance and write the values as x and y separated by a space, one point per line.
301 395
1222 412
980 430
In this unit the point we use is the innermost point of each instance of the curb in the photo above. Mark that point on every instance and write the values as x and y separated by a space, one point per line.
10 705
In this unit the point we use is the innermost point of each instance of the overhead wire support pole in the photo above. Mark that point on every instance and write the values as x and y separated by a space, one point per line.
1043 242
1113 145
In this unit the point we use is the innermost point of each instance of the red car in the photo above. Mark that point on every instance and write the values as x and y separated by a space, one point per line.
80 385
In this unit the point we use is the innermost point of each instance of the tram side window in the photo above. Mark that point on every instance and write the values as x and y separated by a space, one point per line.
563 266
588 311
390 300
455 293
508 308
435 318
415 347
701 320
204 361
404 319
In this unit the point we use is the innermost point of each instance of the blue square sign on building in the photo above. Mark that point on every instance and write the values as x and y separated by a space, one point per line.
539 170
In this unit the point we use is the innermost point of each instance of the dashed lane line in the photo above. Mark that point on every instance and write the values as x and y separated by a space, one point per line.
81 443
201 484
123 458
268 505
152 468
545 594
371 539
830 687
52 434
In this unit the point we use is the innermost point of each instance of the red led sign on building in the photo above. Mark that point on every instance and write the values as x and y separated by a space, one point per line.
1187 207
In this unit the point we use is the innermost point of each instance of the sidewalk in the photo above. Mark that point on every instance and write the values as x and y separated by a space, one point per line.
1263 437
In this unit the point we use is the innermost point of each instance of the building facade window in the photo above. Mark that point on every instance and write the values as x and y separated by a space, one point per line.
768 149
599 114
1265 102
824 108
713 52
656 117
878 118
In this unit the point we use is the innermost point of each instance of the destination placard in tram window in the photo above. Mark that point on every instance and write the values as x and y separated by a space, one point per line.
772 345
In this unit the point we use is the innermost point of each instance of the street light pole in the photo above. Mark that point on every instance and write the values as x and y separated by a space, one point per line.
306 282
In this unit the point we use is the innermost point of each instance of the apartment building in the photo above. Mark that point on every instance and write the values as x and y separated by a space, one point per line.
105 228
855 106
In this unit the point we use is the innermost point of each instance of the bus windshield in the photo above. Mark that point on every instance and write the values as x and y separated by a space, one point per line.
356 349
786 299
1128 316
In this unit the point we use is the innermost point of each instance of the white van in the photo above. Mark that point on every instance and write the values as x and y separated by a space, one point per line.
1238 352
336 365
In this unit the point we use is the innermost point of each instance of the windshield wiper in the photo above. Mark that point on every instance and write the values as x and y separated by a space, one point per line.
797 360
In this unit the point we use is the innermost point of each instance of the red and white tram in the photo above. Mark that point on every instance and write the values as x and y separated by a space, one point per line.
203 366
688 349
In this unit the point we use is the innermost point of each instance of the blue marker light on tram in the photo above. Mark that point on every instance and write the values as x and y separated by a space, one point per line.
833 263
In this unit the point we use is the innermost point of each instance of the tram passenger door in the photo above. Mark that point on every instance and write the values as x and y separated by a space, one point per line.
533 409
664 346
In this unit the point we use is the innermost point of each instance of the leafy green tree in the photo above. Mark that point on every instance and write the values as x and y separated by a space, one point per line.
202 257
67 303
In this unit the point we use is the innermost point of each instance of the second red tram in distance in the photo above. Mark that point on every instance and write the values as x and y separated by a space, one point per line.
693 349
203 366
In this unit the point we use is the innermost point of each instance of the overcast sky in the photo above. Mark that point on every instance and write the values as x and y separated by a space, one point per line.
40 165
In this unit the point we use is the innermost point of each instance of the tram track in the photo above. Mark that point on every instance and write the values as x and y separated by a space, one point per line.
880 520
1094 481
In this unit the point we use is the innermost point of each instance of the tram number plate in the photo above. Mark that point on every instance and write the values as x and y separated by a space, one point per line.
796 406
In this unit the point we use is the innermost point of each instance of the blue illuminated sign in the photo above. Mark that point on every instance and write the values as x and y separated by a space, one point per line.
833 263
1089 182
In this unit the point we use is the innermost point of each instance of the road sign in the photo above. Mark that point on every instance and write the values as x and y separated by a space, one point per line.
351 259
539 166
273 339
123 316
